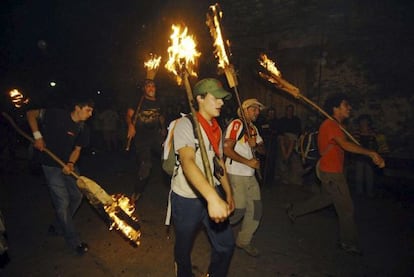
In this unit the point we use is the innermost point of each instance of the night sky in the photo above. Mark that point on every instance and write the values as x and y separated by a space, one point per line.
84 46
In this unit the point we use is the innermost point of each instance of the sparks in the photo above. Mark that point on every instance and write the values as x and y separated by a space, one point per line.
182 53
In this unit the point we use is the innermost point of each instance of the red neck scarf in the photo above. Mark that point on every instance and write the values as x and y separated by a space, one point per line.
213 131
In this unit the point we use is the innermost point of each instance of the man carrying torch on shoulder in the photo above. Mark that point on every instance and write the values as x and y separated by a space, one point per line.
148 131
332 144
241 165
64 133
194 200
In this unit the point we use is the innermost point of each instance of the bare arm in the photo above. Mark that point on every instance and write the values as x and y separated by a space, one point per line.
131 127
32 116
354 148
73 158
228 147
218 209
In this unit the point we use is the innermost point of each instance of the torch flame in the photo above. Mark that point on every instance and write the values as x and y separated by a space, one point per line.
122 202
269 65
153 62
213 22
182 53
18 98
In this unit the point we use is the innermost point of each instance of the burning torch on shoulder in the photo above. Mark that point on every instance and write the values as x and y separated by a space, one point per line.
182 59
213 22
151 65
274 76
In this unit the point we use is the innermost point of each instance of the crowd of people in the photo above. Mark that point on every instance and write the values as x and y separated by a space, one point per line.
242 151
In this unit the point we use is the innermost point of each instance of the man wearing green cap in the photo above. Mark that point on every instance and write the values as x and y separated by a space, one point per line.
193 200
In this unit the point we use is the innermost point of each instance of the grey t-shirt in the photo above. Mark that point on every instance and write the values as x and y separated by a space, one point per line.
184 137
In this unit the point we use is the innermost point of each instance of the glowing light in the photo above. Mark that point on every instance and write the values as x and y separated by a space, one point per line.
122 202
213 22
153 62
269 65
52 84
182 53
18 98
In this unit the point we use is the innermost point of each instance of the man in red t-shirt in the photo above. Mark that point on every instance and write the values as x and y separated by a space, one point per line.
332 144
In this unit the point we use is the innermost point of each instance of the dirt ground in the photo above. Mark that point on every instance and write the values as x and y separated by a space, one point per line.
306 248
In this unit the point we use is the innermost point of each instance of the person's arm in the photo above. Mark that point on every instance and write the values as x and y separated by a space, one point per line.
225 183
131 128
32 116
73 158
163 130
218 209
228 148
354 148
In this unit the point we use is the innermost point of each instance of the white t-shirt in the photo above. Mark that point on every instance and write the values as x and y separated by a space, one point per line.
183 137
242 148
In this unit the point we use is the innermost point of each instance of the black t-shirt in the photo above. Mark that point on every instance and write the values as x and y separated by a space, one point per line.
61 134
148 115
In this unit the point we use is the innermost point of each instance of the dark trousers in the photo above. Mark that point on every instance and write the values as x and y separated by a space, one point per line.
188 214
334 191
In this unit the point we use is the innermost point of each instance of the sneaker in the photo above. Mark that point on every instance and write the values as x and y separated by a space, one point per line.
290 214
249 249
350 249
82 248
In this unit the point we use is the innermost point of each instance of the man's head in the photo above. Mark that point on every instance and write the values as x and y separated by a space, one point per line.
289 110
149 88
210 94
82 110
251 108
337 105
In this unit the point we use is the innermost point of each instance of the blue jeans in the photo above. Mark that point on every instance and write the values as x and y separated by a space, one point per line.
66 198
187 215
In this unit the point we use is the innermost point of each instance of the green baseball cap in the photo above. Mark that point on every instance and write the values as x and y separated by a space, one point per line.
212 86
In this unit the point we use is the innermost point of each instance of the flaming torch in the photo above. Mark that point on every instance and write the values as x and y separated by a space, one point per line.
213 22
119 209
182 61
152 66
274 76
18 98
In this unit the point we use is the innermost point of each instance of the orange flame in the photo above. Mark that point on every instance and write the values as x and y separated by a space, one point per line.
269 65
122 202
213 22
18 98
182 53
153 62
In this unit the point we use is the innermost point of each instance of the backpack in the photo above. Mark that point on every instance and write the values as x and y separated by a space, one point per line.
307 147
169 159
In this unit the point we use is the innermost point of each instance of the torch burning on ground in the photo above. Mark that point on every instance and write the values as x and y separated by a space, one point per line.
274 76
118 208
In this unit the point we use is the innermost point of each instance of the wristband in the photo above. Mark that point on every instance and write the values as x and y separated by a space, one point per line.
37 135
71 162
